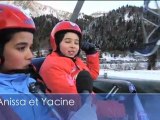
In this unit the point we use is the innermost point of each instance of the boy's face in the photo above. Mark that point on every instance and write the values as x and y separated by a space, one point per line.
17 52
69 46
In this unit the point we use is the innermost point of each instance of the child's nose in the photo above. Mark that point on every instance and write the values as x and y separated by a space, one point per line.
73 45
29 54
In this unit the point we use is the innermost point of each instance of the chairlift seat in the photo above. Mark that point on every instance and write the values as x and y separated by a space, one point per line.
37 62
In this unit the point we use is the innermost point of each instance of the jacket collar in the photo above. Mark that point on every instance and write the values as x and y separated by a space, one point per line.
15 83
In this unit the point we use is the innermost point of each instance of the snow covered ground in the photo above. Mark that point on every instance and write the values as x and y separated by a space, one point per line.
131 74
127 67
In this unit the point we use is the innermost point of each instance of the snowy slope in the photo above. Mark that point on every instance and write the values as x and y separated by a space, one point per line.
131 74
124 67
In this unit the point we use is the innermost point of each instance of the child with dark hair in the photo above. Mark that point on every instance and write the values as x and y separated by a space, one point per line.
61 67
16 71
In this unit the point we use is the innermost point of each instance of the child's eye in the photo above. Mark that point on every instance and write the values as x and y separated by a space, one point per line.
21 48
67 41
77 43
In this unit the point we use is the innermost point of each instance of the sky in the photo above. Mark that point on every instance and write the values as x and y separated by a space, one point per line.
92 6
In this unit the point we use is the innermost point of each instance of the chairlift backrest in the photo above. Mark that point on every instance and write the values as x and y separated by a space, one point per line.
37 62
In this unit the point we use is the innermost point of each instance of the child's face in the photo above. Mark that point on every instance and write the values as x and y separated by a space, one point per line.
69 46
17 52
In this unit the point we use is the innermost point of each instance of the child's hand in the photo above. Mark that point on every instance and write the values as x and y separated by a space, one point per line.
88 48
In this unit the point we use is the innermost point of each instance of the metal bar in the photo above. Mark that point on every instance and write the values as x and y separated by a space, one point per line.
150 22
76 10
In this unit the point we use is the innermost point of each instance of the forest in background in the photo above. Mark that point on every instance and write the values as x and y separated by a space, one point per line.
115 32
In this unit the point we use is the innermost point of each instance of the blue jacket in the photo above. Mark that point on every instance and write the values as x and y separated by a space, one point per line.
14 89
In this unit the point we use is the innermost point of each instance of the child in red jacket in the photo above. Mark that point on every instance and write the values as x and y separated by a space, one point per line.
61 67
